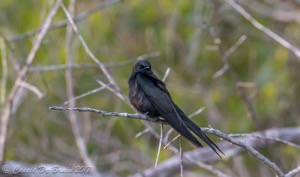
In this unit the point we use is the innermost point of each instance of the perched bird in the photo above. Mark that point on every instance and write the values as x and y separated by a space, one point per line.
149 95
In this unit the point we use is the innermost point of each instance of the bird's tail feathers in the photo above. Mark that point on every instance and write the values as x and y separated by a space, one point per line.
193 127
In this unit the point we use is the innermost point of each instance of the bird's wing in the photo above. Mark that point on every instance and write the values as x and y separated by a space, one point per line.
197 130
161 101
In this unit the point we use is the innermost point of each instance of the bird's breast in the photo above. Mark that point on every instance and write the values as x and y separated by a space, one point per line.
139 100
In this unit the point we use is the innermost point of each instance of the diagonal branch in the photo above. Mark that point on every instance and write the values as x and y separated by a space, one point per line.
21 76
264 29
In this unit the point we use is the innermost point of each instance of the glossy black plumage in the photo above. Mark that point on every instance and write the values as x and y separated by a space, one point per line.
149 95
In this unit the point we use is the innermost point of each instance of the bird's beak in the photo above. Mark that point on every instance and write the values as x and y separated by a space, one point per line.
147 67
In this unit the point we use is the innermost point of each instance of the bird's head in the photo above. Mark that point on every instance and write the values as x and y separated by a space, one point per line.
142 66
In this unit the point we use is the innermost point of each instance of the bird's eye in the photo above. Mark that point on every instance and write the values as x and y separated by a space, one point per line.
140 67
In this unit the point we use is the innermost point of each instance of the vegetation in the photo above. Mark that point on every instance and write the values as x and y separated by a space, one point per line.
253 88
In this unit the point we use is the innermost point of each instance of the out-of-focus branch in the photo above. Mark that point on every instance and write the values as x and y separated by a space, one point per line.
80 142
143 117
241 91
264 29
90 53
63 23
21 76
106 113
293 172
204 155
91 65
240 142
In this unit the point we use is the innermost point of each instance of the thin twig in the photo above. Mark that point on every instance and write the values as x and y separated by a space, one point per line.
21 76
141 133
264 29
159 144
79 139
106 113
218 133
63 23
4 73
91 65
266 138
166 74
32 88
293 172
241 92
181 157
92 56
272 166
85 94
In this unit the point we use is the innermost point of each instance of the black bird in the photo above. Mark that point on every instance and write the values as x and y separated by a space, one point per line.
150 96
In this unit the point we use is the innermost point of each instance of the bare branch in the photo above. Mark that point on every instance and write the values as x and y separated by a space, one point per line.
63 23
266 138
106 113
85 94
91 65
227 66
293 172
79 139
205 155
181 157
160 142
32 88
166 74
4 73
21 76
93 57
264 29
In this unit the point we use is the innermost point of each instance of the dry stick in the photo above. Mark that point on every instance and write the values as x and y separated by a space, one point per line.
85 94
266 138
14 55
293 172
248 148
63 23
106 113
91 65
264 29
4 73
21 76
32 88
228 53
181 157
160 142
93 57
80 141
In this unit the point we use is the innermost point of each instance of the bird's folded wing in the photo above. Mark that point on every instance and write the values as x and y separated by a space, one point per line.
165 107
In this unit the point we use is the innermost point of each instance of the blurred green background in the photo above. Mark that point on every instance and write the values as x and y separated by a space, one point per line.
181 31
